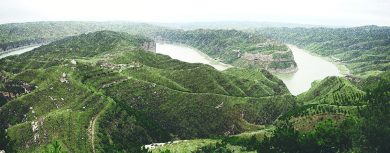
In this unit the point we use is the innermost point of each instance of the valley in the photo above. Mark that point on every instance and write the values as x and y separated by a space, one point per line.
18 51
190 55
297 82
116 87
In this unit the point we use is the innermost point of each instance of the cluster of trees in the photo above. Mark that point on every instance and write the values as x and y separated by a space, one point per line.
220 147
367 132
5 143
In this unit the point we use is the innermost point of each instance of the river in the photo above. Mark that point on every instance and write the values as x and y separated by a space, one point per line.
189 55
18 51
310 67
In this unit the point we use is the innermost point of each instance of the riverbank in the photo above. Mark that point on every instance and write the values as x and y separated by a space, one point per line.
341 67
310 68
189 54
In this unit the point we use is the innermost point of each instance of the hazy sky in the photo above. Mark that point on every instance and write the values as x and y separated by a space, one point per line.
320 12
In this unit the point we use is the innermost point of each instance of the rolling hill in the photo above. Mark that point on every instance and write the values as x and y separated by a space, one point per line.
234 47
364 50
107 92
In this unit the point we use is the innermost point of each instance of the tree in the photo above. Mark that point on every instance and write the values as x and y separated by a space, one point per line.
56 148
376 123
285 139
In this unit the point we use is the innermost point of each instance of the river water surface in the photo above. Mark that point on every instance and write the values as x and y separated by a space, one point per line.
310 67
18 51
189 55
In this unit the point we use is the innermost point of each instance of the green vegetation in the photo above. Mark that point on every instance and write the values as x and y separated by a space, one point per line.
108 92
56 148
234 47
366 129
22 34
102 92
364 50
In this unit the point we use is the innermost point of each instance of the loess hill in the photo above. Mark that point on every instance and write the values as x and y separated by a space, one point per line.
107 92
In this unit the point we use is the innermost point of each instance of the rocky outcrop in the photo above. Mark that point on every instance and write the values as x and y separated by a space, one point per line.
15 88
149 46
275 62
64 78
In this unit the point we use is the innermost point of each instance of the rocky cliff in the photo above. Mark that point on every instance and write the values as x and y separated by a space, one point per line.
149 46
278 61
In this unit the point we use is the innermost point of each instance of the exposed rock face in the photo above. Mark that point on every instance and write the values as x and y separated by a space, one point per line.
266 60
73 62
63 78
120 67
13 89
35 128
149 46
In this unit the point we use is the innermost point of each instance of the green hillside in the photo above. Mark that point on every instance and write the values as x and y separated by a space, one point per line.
364 50
235 47
354 120
328 91
103 92
15 35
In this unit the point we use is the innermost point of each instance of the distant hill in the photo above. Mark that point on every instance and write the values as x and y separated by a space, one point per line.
15 35
235 47
103 92
335 98
233 25
231 46
364 50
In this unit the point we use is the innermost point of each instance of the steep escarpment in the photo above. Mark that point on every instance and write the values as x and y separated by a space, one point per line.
235 47
279 61
103 92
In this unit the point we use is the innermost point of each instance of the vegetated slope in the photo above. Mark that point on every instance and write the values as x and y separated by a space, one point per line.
354 120
103 92
332 98
16 35
365 50
327 91
235 47
334 130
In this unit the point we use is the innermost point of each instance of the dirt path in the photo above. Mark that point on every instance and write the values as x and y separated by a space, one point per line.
92 133
92 125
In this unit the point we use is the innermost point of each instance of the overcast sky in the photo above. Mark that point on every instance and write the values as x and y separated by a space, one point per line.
318 12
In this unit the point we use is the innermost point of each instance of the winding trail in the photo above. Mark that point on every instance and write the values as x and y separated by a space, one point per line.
92 124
